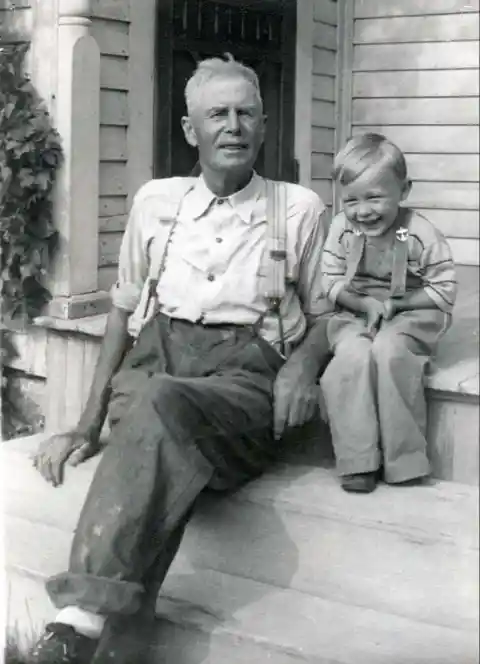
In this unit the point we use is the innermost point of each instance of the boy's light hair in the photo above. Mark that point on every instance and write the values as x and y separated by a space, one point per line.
366 151
218 67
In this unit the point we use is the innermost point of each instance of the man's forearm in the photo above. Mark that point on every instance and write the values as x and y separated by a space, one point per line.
312 354
114 346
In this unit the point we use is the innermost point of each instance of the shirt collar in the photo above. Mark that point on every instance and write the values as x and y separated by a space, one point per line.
200 198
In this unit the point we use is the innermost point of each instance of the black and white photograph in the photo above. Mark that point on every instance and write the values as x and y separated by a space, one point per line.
239 332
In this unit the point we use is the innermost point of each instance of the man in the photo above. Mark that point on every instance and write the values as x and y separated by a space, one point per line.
203 394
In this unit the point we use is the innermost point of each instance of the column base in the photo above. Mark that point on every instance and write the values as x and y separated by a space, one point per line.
79 306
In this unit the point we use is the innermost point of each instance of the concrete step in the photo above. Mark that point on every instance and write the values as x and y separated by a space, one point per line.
289 569
208 617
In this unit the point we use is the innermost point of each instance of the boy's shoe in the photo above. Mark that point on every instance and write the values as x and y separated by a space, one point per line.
359 482
61 644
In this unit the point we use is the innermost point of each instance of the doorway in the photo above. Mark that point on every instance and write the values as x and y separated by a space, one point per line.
259 33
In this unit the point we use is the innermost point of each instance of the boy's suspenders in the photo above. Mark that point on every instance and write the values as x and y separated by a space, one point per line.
276 254
400 257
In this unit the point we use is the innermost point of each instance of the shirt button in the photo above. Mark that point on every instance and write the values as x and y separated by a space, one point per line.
219 240
211 277
220 201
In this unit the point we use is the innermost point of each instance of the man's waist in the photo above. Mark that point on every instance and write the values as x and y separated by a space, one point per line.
256 327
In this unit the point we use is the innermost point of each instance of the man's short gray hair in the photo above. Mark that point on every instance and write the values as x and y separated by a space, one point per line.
217 67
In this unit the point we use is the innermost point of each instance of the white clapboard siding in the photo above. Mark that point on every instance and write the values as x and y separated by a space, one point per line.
323 96
395 57
415 79
110 27
371 8
21 20
429 139
456 27
439 83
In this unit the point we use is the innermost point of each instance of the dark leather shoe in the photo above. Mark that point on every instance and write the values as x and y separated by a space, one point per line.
61 644
359 482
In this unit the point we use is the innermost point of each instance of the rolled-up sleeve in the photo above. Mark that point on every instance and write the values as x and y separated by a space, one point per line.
132 263
438 273
310 288
334 260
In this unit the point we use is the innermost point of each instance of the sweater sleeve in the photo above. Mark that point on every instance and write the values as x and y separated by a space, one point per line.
334 259
438 272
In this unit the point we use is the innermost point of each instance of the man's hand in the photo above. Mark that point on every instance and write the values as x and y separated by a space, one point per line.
374 311
389 309
69 448
295 397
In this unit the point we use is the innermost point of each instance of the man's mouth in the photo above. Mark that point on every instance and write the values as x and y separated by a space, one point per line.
233 146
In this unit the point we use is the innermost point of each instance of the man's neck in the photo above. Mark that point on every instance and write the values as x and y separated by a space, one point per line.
226 184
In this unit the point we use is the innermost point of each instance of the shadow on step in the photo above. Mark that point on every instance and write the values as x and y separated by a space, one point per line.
200 600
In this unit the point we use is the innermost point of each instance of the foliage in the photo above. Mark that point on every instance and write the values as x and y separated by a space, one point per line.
30 154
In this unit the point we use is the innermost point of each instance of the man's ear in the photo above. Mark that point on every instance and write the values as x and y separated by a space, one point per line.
407 187
189 131
263 128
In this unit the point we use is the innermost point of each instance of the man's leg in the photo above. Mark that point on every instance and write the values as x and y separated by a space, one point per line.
348 386
401 351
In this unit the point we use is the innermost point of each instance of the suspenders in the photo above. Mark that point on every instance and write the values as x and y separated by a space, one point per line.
400 258
276 257
275 267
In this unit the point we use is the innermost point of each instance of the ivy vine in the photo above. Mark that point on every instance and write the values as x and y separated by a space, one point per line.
30 154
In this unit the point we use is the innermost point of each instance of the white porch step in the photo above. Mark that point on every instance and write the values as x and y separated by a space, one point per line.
290 569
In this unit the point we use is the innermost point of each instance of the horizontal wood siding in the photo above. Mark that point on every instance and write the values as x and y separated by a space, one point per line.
415 79
110 27
323 96
17 16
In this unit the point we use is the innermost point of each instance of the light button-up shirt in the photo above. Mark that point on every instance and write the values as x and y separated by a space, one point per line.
215 260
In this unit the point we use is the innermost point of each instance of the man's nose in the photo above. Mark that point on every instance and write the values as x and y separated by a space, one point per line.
233 122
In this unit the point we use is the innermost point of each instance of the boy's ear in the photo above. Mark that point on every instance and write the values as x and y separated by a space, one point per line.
407 187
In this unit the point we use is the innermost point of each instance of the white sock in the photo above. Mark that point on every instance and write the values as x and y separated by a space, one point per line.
84 622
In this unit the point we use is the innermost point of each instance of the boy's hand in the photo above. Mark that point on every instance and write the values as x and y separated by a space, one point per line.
374 311
390 309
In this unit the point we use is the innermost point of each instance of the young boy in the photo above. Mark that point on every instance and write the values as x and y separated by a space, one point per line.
390 274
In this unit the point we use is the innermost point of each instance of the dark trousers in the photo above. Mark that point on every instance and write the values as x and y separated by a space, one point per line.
191 407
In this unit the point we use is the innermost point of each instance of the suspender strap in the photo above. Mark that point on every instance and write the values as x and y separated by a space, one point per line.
354 257
400 261
276 243
276 274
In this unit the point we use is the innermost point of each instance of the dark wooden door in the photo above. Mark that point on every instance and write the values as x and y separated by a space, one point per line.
259 33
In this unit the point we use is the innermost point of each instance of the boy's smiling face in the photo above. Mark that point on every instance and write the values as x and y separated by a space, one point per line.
371 201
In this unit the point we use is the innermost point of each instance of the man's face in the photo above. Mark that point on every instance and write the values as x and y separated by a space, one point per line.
371 201
227 125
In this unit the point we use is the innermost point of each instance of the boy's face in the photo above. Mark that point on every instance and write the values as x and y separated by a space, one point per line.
371 201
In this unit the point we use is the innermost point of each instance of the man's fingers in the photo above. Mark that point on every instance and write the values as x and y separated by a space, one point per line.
280 417
303 411
373 325
80 455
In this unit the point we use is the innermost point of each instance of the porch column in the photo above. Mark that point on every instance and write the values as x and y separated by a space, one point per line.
74 284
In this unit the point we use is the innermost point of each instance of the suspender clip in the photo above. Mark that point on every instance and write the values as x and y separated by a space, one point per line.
278 254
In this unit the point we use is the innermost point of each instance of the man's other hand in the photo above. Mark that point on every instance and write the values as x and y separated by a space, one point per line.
68 448
296 397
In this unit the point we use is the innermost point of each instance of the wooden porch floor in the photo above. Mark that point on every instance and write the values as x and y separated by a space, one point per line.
289 570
